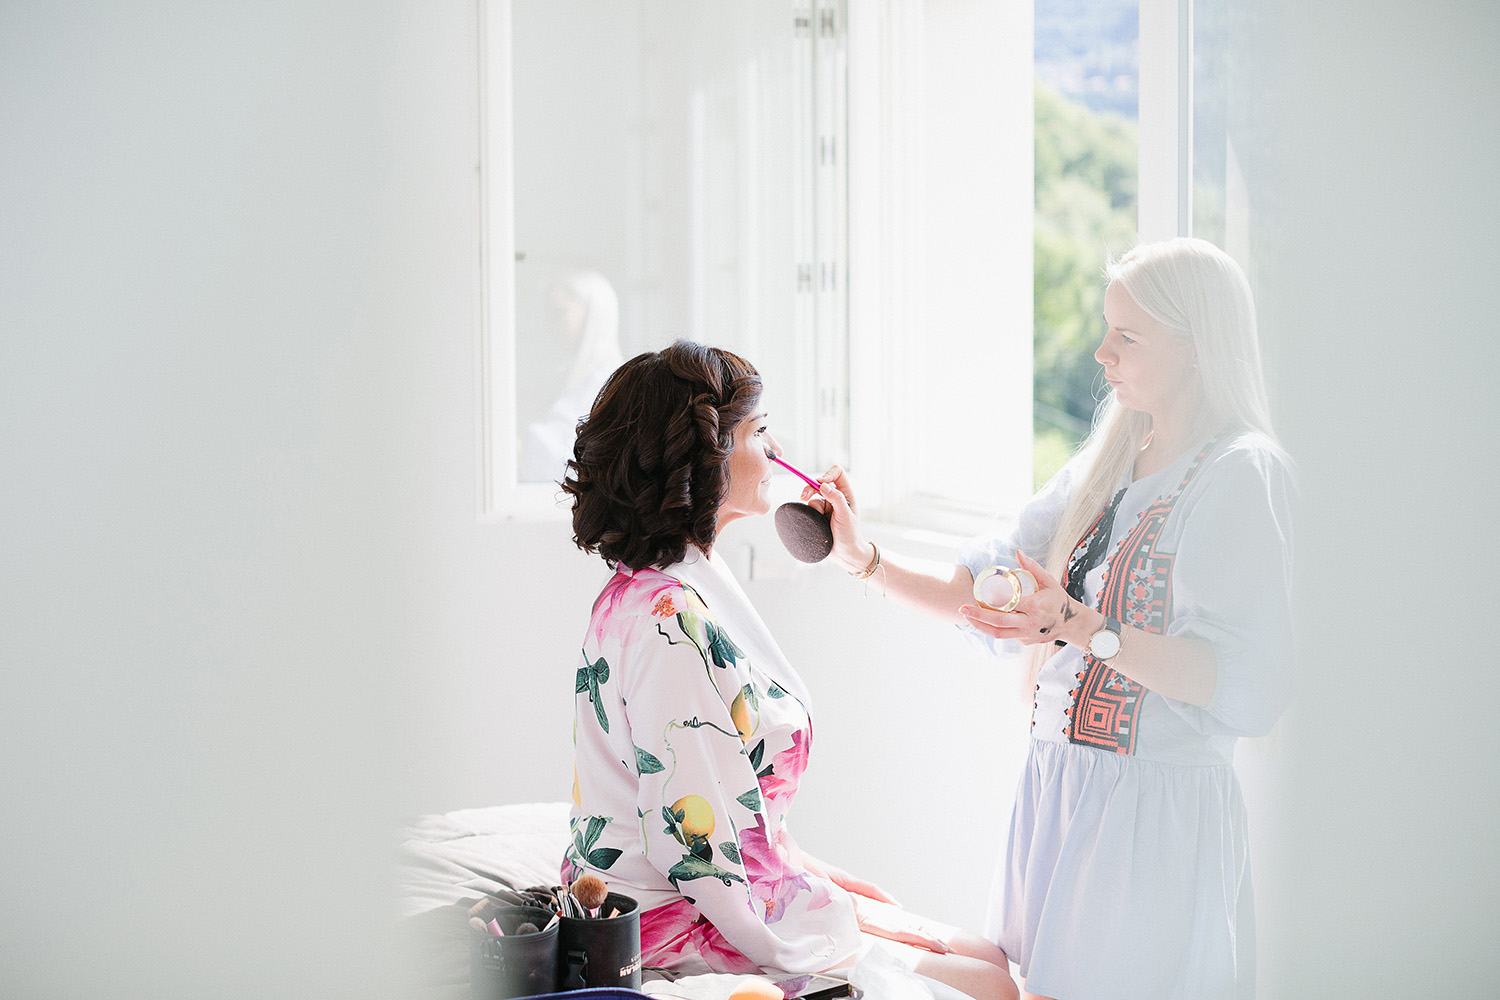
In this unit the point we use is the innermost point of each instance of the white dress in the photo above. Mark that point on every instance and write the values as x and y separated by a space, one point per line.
1126 868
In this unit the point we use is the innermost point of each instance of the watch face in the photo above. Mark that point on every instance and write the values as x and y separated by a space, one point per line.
1104 644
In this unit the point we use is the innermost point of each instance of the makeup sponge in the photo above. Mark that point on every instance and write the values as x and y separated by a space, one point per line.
750 988
804 531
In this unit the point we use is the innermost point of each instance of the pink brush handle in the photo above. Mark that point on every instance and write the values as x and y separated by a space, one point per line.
788 467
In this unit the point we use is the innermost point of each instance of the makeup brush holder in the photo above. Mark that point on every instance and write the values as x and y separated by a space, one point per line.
601 951
516 965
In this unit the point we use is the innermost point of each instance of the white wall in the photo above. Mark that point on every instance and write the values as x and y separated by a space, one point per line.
248 616
240 562
1380 281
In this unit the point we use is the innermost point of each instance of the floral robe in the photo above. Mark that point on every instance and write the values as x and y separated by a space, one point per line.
691 732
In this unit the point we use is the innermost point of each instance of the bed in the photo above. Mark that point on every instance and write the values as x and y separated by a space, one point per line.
449 861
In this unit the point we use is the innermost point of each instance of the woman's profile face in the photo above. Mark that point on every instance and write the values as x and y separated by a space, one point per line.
1149 367
749 471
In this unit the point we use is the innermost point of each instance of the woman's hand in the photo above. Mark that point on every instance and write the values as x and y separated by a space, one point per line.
850 884
1045 616
836 499
894 924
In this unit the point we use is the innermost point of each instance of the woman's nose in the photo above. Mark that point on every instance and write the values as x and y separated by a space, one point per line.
773 446
1104 355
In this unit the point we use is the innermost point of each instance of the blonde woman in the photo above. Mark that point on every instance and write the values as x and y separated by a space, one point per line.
1160 633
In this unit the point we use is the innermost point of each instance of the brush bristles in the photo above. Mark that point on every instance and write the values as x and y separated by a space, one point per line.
590 890
804 531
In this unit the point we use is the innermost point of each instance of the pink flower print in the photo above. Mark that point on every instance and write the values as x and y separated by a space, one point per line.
773 882
674 933
787 768
630 600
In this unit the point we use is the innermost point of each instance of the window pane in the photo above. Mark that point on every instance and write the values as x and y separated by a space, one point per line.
1086 183
665 169
1220 209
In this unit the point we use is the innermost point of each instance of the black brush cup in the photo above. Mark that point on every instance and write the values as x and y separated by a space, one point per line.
601 951
805 531
516 965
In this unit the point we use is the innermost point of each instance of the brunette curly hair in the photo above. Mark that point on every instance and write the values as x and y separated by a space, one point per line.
650 463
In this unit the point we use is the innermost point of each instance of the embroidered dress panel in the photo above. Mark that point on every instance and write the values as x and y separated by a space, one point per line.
1136 591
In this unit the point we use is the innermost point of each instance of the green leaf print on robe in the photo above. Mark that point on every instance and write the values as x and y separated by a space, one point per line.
713 643
647 763
590 679
756 756
691 867
722 648
583 849
691 821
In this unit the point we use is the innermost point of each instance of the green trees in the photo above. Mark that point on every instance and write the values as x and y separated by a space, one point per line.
1085 212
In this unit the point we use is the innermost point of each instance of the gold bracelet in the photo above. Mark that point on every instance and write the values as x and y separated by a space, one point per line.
869 570
1020 573
1015 591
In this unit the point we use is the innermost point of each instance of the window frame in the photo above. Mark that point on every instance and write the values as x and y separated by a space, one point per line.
888 88
1165 119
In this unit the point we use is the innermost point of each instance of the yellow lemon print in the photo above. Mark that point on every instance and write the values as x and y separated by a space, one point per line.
740 713
697 822
577 795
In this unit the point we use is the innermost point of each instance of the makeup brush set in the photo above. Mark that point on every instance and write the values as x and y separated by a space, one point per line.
535 941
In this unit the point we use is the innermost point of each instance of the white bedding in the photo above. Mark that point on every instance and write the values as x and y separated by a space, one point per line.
460 856
450 860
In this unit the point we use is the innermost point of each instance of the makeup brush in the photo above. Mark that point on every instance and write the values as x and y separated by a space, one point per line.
590 891
817 486
804 529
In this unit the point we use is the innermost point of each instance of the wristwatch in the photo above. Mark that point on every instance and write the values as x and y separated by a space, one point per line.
1105 643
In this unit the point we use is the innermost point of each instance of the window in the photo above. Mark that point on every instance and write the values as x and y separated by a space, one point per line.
1195 96
940 259
655 171
841 192
1087 152
1136 121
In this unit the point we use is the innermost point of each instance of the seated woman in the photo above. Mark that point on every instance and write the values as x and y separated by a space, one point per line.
691 729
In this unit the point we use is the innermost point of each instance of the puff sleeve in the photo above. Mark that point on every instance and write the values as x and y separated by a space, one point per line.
1232 589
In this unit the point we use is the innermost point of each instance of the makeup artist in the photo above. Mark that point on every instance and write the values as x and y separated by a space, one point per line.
691 729
1154 608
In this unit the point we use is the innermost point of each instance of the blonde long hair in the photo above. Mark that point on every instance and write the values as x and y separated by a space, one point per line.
1196 291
